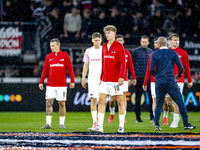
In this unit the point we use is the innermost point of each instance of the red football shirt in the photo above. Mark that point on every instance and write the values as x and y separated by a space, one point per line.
113 62
183 56
56 66
129 65
148 73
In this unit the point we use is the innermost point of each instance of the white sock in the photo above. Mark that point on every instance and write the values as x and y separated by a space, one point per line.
176 116
62 120
48 120
112 110
100 119
94 116
172 113
165 113
121 120
154 114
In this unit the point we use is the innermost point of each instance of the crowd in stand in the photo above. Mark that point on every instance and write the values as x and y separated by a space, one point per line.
75 20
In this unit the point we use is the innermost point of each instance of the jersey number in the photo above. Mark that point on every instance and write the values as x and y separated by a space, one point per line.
116 88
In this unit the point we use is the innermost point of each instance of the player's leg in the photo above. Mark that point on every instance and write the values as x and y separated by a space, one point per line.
125 105
50 95
165 110
61 96
112 105
138 94
153 94
93 108
176 117
150 102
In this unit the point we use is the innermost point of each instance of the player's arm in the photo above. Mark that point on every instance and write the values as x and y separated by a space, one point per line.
122 64
85 70
147 76
131 68
44 73
152 65
186 66
70 71
180 67
102 67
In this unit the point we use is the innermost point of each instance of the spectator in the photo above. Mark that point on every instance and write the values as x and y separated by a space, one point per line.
114 18
197 76
101 5
156 5
56 23
95 13
196 30
72 25
35 72
138 5
2 72
122 5
155 24
187 26
77 73
48 7
67 5
16 72
100 22
140 24
169 5
87 26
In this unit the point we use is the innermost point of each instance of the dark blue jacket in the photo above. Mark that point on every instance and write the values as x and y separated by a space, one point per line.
140 59
164 60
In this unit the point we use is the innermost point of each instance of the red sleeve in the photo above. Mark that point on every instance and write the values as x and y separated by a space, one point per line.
148 73
186 66
70 69
122 61
130 66
102 68
45 70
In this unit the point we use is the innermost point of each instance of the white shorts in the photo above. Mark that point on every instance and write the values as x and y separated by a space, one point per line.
125 86
180 85
111 88
153 90
93 89
59 93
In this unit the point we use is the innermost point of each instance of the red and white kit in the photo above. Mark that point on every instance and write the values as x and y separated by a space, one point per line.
56 66
93 57
113 68
128 65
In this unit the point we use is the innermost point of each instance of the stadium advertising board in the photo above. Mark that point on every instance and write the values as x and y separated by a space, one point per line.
10 42
28 97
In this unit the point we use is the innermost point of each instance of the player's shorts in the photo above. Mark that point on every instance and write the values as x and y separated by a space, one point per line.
93 89
180 85
153 90
111 88
59 93
125 86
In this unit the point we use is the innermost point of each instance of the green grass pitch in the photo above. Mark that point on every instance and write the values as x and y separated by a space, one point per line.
80 121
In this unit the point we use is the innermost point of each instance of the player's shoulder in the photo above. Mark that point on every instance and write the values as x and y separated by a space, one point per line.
127 51
88 49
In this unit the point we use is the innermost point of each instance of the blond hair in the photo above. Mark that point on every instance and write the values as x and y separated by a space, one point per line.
96 34
55 40
110 28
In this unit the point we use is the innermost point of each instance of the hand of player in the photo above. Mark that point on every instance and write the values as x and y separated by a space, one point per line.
41 86
190 85
120 81
72 85
177 78
129 82
144 88
83 84
134 82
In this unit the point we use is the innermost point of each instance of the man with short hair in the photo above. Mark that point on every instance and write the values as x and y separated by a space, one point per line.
163 60
56 64
93 60
112 77
183 56
140 59
128 65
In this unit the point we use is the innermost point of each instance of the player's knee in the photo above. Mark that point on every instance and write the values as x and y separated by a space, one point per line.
61 104
101 101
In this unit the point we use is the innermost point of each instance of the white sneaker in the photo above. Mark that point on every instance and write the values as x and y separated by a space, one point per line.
96 128
174 124
120 130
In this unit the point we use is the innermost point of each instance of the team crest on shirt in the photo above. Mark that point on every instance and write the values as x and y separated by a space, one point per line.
61 59
113 52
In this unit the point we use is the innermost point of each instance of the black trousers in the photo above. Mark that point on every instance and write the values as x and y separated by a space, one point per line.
139 91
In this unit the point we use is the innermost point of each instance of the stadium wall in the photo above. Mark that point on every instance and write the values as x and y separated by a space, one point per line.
28 97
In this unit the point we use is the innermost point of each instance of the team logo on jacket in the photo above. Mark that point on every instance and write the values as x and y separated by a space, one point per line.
113 52
61 59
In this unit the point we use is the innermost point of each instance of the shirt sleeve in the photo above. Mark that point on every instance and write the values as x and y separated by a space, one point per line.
148 73
102 67
86 56
122 61
152 63
186 66
70 69
177 61
44 71
130 66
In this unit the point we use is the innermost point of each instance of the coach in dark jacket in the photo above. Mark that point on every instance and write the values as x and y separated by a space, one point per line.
140 59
